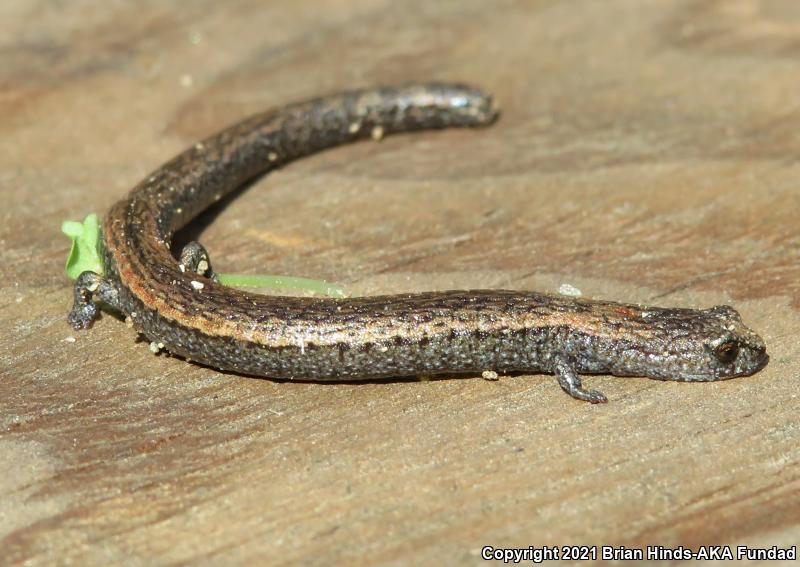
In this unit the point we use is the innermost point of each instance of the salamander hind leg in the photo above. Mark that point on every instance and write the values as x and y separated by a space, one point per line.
570 382
194 257
89 288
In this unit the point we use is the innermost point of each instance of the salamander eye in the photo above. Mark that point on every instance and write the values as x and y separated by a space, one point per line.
727 352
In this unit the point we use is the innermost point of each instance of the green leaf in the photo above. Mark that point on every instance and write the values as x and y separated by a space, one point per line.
84 255
318 287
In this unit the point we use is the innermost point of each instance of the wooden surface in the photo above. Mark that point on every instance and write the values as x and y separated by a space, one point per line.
648 152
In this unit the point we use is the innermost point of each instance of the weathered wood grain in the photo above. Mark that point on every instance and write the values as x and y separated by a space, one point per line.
648 152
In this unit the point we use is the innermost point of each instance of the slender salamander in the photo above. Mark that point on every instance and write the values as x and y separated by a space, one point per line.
179 305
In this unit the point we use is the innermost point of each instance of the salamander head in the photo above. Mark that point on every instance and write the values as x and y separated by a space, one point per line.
690 345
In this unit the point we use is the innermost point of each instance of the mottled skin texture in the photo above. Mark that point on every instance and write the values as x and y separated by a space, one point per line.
179 304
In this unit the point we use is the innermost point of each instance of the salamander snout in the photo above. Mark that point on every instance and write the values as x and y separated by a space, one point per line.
733 349
735 355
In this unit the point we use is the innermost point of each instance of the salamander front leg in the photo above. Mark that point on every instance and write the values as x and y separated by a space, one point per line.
195 259
90 287
570 382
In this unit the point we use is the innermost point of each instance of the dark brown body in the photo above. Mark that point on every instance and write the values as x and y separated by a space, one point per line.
334 339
